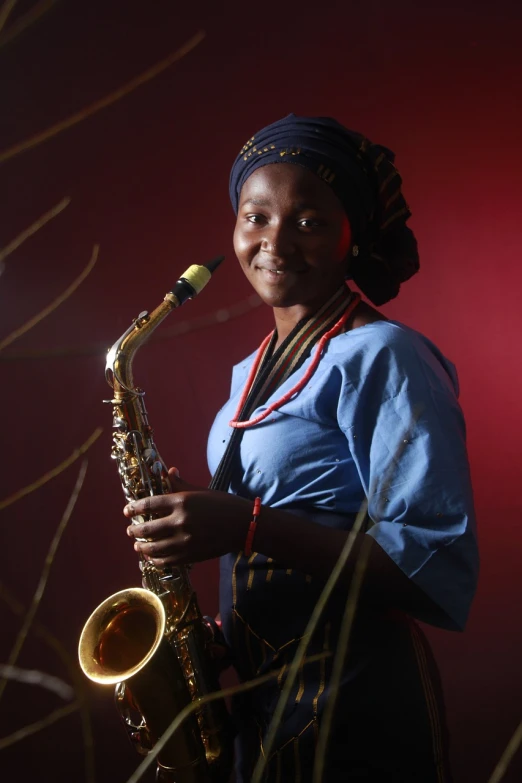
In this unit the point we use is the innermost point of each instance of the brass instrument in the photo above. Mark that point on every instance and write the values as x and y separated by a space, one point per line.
152 642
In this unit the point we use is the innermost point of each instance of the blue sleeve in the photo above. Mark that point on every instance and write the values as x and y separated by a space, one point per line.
407 436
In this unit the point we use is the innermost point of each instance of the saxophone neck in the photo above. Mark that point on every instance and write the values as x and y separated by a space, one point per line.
118 366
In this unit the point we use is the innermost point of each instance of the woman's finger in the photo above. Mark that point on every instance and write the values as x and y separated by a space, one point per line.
160 550
157 505
155 529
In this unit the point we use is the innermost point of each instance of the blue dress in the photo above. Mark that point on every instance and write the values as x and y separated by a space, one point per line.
379 419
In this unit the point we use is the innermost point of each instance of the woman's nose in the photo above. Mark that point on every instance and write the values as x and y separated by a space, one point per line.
278 240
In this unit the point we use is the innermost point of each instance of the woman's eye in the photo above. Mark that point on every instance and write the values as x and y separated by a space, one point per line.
254 218
308 223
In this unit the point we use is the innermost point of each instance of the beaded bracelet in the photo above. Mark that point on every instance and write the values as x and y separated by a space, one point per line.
252 529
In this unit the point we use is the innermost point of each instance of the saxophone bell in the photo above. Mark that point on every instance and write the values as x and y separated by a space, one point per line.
123 643
152 642
121 636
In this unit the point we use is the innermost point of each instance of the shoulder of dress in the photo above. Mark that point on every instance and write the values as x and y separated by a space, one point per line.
371 339
390 347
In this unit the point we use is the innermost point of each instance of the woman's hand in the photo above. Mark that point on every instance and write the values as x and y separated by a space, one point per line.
191 524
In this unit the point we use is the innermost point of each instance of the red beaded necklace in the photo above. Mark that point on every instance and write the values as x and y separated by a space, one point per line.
336 328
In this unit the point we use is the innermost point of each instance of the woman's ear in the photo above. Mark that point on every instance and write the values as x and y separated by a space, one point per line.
350 256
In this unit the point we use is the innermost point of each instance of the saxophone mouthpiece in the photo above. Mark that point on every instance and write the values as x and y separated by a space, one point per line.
192 281
213 265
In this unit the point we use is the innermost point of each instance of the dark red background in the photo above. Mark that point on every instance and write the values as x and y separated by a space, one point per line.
437 82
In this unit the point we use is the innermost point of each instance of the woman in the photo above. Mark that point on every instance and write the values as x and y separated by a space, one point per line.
338 406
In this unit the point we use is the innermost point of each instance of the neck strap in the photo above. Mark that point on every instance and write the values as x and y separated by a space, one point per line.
271 369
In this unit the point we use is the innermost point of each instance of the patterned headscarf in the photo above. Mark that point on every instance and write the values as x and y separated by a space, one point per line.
363 177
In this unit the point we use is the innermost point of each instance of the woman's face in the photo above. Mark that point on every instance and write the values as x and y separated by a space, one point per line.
292 236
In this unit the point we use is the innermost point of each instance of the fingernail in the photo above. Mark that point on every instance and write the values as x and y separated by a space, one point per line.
137 546
129 531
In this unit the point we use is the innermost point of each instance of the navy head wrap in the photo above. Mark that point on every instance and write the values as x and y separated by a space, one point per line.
366 182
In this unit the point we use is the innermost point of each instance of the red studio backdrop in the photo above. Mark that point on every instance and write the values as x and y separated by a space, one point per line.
147 176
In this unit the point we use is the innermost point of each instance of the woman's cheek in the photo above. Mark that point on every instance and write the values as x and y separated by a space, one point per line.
241 244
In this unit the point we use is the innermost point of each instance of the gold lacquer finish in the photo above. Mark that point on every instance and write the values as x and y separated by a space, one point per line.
121 636
152 642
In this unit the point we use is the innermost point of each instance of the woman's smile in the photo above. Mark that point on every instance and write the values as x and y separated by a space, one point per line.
276 275
292 237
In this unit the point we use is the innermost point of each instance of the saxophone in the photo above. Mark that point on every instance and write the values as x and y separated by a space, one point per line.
152 642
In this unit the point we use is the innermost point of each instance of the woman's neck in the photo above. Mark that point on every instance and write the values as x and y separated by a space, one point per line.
286 318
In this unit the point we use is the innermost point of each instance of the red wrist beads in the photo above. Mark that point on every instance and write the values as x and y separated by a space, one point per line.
252 529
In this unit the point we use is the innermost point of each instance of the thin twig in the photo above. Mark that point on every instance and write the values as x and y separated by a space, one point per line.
196 705
33 728
44 576
41 679
95 107
340 659
299 656
52 473
507 757
56 303
5 10
320 605
25 21
33 228
74 672
181 328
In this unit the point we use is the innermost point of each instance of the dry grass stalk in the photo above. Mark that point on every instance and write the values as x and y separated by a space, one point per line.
181 328
77 678
194 706
36 677
313 622
351 606
56 303
507 757
5 10
44 576
33 228
33 728
52 473
339 660
95 107
25 21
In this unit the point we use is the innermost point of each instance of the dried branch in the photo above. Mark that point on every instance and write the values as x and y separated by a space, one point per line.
74 672
52 473
195 706
25 21
41 631
44 576
38 725
179 329
507 757
299 656
5 10
56 303
41 679
33 228
339 660
95 107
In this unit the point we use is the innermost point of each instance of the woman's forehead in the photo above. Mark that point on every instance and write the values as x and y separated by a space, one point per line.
288 180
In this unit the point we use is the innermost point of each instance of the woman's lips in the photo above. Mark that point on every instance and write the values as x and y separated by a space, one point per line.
275 275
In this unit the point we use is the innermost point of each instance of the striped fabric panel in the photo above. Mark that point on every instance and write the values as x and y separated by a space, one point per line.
436 726
295 349
275 368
